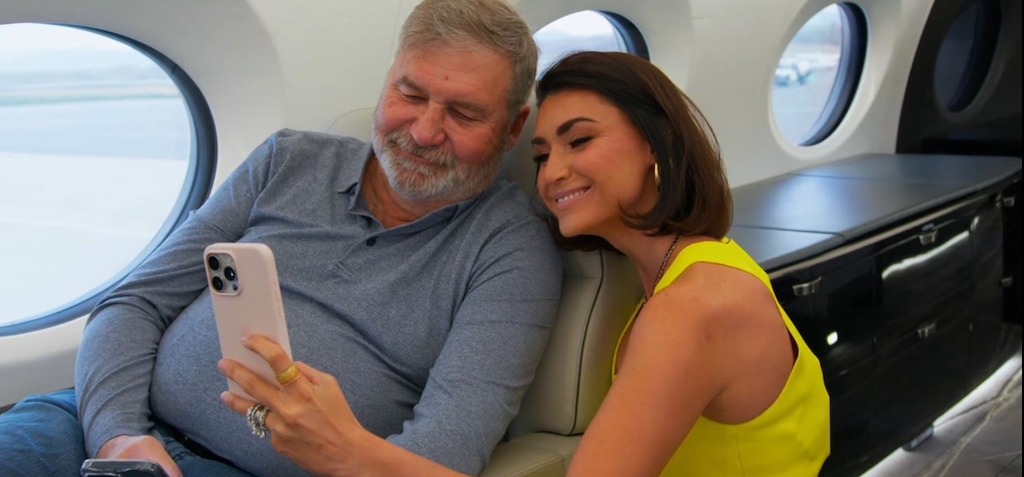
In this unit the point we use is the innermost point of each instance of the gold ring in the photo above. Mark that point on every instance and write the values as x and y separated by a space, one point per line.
289 375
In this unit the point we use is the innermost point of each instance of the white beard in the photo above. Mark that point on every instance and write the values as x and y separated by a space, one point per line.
445 178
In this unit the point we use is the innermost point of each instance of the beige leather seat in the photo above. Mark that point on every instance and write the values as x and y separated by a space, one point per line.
599 292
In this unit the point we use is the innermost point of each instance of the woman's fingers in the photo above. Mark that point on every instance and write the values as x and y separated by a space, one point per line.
263 391
270 351
309 419
237 403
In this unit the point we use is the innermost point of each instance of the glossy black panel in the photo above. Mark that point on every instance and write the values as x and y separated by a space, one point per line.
907 312
846 207
976 172
997 137
925 277
924 329
854 448
847 300
1010 200
837 320
774 249
919 378
988 330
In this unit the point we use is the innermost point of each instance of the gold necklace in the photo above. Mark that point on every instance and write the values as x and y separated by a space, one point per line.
661 271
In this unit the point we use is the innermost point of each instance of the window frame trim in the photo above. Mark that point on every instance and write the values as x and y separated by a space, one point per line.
202 165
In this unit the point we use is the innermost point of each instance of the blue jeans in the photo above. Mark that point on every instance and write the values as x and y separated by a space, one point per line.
42 436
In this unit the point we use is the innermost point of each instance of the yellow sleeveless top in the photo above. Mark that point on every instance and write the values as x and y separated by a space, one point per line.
790 438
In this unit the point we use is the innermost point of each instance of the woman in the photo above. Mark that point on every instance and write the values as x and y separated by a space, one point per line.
710 376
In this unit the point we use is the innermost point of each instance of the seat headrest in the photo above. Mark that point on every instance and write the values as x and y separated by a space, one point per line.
518 165
356 123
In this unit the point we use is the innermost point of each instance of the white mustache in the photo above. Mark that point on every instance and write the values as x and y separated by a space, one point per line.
405 142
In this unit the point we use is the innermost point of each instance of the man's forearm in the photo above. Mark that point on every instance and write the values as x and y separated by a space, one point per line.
112 376
376 456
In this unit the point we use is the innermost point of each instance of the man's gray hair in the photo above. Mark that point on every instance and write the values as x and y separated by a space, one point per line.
491 23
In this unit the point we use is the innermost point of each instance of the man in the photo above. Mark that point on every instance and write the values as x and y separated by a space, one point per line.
410 273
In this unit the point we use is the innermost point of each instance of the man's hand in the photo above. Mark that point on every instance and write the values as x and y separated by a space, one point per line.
139 447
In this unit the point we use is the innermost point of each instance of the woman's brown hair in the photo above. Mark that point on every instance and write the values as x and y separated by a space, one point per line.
694 196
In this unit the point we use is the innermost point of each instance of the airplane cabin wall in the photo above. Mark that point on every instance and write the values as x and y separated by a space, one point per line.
998 97
257 69
723 54
265 64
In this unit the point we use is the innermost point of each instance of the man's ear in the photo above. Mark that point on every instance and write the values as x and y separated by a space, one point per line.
517 127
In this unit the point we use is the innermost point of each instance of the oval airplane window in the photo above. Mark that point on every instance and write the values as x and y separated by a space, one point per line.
588 30
816 75
105 146
966 54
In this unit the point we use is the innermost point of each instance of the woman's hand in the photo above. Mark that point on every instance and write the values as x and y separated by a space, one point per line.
139 447
309 419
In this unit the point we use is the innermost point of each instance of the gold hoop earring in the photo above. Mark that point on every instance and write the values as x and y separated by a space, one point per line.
657 177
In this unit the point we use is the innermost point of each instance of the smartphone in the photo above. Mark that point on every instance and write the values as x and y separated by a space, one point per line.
242 278
121 468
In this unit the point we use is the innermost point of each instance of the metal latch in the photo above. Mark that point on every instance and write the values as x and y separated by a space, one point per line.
928 234
926 330
809 288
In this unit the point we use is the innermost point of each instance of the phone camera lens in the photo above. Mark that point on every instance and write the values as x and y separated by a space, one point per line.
213 262
217 283
229 273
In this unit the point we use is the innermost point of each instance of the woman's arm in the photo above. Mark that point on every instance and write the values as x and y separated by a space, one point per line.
667 376
712 343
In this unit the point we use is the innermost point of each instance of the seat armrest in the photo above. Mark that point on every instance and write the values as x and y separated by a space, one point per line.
532 455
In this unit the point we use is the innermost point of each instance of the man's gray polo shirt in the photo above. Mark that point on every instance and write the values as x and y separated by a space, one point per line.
457 305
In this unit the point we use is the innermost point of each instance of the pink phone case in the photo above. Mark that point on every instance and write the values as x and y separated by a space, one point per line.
248 301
